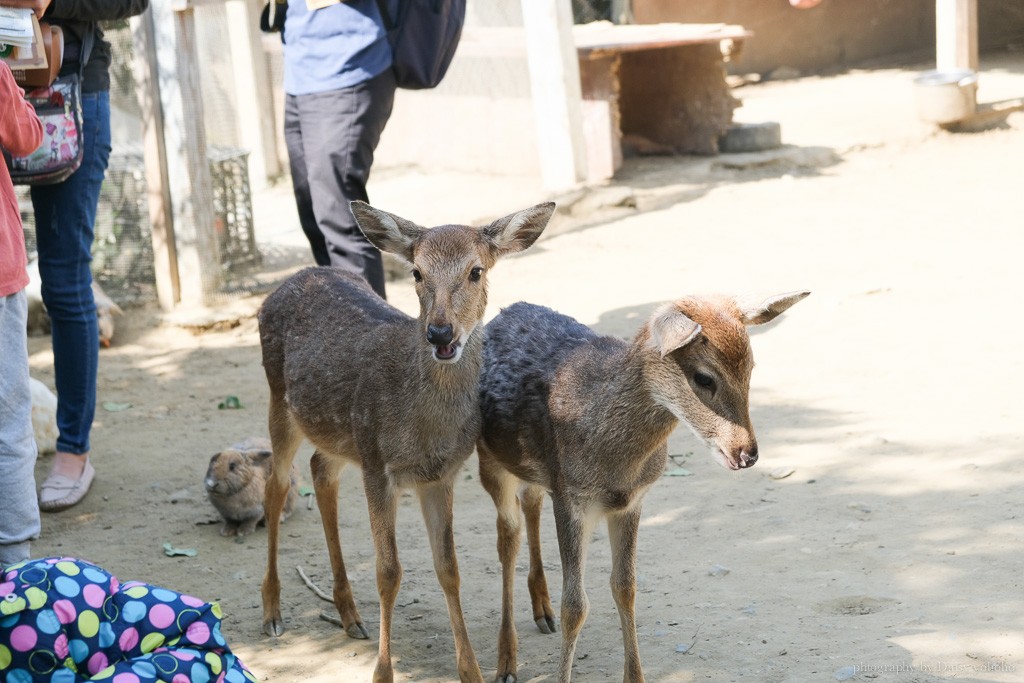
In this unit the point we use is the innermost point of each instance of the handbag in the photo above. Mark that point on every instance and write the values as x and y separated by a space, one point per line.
423 38
59 108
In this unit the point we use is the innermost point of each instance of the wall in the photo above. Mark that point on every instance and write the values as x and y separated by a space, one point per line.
837 34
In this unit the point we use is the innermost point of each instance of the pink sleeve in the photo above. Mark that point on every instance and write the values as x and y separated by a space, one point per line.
20 130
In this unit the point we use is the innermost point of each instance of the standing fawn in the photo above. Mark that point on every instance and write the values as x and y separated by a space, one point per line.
587 419
369 385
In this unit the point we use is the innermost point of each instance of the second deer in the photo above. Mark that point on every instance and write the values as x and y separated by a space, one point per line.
371 386
587 418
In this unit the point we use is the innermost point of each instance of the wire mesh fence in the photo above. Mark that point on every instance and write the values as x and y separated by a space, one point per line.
123 258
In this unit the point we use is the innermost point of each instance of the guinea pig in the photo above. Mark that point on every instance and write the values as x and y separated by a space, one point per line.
235 481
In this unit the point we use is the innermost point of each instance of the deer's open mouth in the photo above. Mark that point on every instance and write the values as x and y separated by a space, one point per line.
446 351
724 460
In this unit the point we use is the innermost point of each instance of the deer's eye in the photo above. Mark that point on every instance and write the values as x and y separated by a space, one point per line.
416 275
474 275
704 381
233 466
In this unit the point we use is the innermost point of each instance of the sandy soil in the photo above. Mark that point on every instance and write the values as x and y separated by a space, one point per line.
891 552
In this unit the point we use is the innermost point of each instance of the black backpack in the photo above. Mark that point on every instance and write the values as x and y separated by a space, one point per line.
423 38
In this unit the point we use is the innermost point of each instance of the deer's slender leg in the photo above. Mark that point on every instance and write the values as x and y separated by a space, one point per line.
573 524
436 504
502 487
284 439
382 501
543 612
326 472
622 534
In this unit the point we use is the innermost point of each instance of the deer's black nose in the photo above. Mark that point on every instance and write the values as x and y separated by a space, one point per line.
749 456
439 336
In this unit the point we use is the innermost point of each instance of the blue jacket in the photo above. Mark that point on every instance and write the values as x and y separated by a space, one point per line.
334 47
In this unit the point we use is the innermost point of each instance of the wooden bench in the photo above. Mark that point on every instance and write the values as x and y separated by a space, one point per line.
661 84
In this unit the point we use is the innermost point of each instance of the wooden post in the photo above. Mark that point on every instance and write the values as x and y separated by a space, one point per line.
253 94
185 139
555 89
956 35
158 191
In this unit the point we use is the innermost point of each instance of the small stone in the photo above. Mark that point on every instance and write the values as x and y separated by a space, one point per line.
846 673
718 570
781 472
683 648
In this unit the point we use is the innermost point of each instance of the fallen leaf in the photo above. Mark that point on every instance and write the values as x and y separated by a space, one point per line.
171 551
305 491
678 472
230 403
113 407
781 472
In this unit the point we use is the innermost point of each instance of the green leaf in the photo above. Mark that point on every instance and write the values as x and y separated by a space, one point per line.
305 491
230 403
678 472
113 407
171 551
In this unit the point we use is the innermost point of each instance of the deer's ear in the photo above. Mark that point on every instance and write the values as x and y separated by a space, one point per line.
767 310
517 231
386 231
671 329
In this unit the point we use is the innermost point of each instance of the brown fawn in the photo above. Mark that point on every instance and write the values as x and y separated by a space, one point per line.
369 385
587 418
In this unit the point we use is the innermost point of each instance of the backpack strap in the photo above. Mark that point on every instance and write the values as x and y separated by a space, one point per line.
88 41
385 16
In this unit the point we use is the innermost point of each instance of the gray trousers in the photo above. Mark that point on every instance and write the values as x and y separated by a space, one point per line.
19 508
331 137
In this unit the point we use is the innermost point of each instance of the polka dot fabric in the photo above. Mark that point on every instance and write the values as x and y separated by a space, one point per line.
64 620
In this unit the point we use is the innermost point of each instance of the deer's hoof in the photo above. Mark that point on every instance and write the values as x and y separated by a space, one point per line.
356 630
274 627
505 678
546 624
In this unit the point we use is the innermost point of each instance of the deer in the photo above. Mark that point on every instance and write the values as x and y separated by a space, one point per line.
368 385
586 419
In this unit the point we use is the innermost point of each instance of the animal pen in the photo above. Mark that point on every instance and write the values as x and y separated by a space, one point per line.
197 102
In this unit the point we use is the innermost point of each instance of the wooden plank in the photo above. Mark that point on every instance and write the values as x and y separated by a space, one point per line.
158 188
603 37
601 117
956 35
253 93
199 255
188 172
555 90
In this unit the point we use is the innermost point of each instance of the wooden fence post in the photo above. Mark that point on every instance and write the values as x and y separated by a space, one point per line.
158 191
555 89
188 169
254 96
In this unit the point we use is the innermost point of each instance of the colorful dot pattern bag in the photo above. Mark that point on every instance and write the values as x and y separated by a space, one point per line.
64 620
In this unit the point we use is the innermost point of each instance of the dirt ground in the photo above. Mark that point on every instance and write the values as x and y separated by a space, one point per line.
889 402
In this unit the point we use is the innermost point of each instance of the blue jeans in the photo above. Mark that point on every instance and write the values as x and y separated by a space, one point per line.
65 214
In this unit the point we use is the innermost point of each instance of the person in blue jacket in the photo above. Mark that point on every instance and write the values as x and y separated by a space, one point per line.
339 91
